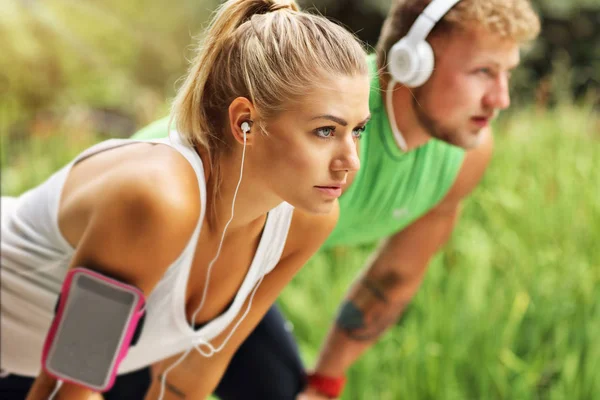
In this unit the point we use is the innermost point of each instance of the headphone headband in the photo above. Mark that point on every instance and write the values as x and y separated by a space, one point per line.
428 18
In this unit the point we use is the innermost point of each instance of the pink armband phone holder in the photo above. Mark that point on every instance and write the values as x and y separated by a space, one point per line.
95 324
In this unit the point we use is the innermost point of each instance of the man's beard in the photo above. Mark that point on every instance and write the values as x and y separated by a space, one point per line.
436 130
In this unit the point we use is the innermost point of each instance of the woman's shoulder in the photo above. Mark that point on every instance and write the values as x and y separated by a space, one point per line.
163 183
147 185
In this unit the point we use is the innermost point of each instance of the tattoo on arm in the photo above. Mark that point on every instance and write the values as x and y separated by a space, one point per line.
369 311
172 388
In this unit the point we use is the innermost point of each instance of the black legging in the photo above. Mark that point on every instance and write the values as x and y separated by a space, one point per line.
266 366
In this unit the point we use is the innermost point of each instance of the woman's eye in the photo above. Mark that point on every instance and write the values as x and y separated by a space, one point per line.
326 132
358 132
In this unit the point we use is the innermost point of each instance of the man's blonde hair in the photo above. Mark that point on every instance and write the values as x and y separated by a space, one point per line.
267 51
511 19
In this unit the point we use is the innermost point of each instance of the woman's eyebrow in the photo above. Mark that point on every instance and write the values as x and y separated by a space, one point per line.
339 120
333 118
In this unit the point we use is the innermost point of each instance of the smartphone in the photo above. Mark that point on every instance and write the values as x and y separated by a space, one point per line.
95 323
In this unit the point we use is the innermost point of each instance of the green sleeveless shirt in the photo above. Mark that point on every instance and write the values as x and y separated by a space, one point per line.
392 189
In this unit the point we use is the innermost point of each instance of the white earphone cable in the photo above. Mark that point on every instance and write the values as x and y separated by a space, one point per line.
56 389
199 341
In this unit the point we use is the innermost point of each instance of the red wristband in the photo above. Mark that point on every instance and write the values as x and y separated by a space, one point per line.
331 387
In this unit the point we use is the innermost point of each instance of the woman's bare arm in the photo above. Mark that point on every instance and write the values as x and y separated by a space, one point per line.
196 377
136 229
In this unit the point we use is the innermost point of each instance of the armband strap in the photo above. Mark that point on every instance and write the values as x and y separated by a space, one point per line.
97 319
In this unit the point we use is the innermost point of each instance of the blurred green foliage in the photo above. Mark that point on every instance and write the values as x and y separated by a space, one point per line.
110 66
110 63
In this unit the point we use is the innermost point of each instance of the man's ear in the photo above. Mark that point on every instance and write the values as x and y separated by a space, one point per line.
241 116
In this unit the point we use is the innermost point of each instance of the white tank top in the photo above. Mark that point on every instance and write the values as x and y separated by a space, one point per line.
35 257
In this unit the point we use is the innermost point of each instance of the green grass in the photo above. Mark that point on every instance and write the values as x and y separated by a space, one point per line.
509 310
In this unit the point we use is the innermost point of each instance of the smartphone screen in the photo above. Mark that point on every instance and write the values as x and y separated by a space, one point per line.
92 327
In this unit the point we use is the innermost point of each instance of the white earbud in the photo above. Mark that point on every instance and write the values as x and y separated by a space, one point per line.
245 127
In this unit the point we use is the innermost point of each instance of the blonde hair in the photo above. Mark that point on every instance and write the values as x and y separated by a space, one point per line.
267 51
511 19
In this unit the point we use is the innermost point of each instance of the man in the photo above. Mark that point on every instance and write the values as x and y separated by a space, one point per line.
414 174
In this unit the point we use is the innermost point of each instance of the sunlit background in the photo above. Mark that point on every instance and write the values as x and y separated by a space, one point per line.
510 309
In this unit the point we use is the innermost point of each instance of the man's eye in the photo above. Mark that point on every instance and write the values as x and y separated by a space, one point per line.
485 71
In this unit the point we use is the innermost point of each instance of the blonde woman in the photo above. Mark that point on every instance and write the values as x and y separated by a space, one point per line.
207 225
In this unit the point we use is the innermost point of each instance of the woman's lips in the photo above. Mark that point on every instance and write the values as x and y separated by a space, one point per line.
333 191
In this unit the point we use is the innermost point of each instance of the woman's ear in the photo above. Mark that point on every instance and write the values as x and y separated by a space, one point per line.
241 115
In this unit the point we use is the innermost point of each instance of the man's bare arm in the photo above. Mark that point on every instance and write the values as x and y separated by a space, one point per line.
380 294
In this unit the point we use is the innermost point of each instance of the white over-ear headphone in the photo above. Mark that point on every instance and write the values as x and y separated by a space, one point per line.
411 59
